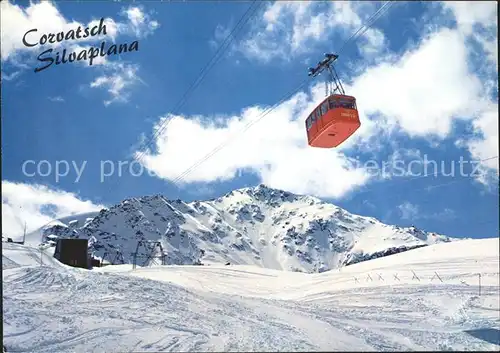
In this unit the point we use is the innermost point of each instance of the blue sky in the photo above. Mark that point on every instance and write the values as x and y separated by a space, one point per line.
424 74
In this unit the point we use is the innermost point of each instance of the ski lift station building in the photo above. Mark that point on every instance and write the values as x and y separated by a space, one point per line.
73 252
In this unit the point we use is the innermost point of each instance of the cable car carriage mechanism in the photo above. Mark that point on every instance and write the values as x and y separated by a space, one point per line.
336 118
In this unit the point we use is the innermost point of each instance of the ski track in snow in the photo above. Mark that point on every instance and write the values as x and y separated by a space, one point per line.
56 308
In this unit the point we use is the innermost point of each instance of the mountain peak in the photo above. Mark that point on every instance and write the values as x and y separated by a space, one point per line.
257 225
269 195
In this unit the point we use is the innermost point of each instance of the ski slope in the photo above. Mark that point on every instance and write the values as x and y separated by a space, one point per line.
55 308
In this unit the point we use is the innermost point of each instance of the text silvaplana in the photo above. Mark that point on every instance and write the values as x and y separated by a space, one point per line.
32 39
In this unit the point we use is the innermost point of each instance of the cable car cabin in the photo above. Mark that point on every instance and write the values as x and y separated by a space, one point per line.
333 121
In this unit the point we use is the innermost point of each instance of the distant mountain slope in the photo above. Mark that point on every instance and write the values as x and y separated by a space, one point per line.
253 226
78 220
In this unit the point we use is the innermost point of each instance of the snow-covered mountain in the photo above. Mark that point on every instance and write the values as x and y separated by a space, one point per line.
254 226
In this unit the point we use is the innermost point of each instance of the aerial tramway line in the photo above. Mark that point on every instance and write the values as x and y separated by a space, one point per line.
336 118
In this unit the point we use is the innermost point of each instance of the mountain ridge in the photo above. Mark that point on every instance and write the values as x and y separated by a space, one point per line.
257 225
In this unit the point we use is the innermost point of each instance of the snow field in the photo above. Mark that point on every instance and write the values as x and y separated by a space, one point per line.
55 308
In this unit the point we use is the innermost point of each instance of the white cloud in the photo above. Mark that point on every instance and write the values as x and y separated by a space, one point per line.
56 99
97 61
409 211
220 35
485 145
427 89
140 23
275 148
118 79
420 94
46 18
469 13
28 203
368 204
424 90
478 21
490 47
404 162
10 77
445 214
292 28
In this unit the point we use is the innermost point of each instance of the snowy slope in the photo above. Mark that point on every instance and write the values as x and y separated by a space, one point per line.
55 227
254 226
456 263
54 308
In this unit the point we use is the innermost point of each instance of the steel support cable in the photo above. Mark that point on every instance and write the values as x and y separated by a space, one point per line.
205 70
371 20
454 180
426 175
436 174
230 139
334 78
353 37
227 41
362 30
213 61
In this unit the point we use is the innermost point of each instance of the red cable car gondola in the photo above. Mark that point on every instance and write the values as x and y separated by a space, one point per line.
336 118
